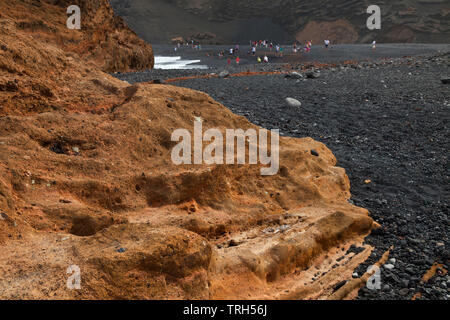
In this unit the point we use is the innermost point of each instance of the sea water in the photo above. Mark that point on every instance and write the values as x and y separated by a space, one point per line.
162 62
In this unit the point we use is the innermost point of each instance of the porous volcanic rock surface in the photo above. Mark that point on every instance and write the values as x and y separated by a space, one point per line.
237 21
87 180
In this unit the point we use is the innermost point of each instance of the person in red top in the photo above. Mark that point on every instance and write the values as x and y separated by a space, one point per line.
238 60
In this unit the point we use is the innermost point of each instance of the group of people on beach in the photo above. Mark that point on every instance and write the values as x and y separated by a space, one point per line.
234 52
194 45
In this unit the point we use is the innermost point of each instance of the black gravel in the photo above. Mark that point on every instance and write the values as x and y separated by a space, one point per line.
387 122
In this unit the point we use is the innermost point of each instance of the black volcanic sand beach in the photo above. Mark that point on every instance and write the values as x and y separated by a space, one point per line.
386 121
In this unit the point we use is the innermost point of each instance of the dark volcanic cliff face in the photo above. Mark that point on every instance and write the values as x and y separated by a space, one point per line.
342 21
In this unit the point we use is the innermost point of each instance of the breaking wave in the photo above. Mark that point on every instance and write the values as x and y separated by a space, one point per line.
162 62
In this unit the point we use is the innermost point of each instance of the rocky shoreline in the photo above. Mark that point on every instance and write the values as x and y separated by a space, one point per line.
386 121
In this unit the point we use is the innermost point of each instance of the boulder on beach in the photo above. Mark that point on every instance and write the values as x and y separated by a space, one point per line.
312 75
294 75
291 102
224 74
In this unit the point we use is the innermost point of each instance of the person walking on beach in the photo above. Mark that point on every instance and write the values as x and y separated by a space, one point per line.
307 47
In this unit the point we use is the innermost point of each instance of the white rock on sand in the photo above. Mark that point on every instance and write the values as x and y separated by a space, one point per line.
291 102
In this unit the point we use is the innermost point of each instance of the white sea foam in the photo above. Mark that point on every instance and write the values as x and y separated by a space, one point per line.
162 62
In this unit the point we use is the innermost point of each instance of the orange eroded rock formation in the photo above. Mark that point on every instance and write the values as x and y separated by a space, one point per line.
86 179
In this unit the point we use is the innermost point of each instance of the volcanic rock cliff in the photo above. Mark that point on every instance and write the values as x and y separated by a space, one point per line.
342 21
38 53
104 39
87 184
